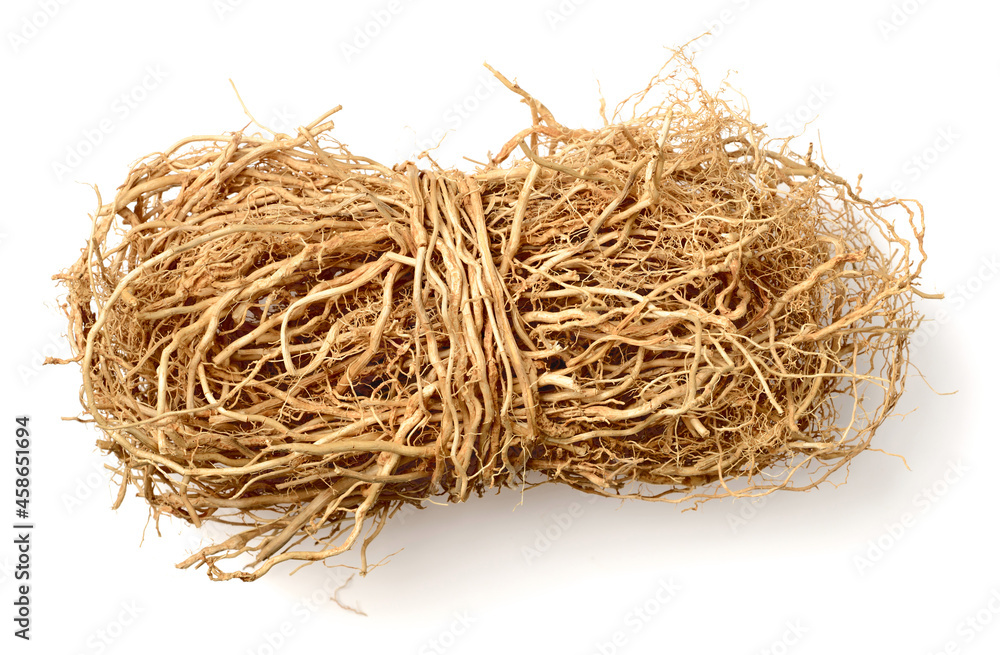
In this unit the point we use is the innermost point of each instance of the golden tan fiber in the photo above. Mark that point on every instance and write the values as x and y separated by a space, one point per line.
278 334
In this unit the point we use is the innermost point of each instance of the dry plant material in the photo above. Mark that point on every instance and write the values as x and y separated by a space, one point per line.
278 334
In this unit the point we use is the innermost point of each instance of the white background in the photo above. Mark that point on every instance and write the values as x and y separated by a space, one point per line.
897 560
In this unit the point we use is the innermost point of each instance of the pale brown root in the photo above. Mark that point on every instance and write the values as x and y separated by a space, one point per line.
276 333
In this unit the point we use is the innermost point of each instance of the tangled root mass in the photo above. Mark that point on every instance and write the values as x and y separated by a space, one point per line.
278 334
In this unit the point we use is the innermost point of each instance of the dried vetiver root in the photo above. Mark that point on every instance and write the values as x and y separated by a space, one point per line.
278 334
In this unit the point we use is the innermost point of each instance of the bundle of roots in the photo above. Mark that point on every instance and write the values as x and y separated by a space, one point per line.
281 335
